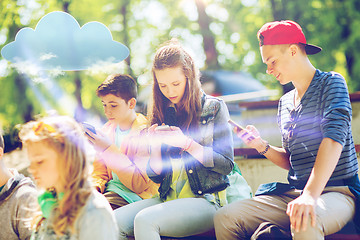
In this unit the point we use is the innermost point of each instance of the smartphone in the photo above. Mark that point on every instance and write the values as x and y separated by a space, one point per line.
89 127
163 128
234 124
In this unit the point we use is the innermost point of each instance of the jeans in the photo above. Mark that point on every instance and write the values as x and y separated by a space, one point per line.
151 218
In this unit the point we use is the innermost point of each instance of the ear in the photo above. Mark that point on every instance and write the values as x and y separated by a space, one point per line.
132 103
293 49
1 152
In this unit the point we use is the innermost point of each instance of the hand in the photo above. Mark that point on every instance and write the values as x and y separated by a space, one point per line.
251 137
98 140
299 211
172 137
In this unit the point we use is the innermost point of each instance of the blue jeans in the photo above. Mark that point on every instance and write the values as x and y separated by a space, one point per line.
151 218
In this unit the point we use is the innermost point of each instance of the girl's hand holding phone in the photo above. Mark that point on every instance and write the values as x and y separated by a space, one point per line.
169 135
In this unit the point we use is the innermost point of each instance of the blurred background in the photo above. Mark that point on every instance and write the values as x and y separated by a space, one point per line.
220 34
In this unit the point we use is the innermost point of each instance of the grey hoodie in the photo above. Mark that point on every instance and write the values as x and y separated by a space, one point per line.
18 203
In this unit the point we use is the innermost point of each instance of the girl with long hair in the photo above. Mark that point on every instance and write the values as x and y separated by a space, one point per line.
190 155
70 207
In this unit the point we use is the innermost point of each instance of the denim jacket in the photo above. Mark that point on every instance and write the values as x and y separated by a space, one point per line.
214 134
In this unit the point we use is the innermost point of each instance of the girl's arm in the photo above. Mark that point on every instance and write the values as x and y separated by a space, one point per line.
218 157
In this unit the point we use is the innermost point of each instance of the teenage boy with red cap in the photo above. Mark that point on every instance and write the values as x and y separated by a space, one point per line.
317 149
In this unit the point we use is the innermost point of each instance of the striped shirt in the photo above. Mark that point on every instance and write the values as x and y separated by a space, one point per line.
324 112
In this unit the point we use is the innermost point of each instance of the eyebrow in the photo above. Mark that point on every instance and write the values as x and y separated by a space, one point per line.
110 102
170 83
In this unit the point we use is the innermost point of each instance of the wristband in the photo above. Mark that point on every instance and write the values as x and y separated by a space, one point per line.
266 149
189 141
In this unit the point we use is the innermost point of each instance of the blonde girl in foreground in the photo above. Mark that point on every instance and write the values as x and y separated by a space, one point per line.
70 208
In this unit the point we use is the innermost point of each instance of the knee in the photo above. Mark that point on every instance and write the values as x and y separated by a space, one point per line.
125 225
311 232
227 218
143 220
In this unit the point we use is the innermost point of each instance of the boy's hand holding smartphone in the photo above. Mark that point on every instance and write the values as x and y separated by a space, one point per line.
238 129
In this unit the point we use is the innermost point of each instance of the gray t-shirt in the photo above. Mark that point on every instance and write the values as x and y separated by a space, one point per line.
18 203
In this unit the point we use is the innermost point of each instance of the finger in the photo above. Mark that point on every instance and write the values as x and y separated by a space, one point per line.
90 141
249 127
152 127
289 209
313 217
298 218
89 135
292 211
174 128
305 219
251 138
243 133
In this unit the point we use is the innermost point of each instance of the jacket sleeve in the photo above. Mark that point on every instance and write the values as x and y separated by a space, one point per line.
220 156
130 168
100 174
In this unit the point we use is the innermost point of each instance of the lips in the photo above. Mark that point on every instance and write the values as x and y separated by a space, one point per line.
172 98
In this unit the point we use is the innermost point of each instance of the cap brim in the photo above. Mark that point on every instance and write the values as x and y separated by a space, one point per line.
311 49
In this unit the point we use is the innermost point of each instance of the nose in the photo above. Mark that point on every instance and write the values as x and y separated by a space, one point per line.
171 91
107 111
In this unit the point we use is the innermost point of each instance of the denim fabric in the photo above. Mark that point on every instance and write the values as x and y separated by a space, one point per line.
214 134
151 218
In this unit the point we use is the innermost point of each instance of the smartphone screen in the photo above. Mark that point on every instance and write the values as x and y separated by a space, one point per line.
89 127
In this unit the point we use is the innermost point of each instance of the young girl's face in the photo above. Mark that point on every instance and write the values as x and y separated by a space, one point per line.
43 165
172 83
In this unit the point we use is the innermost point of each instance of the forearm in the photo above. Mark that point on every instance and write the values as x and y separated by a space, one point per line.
327 158
132 173
277 155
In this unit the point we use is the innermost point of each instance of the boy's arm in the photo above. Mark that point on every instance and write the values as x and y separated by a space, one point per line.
251 137
100 175
278 156
130 169
303 207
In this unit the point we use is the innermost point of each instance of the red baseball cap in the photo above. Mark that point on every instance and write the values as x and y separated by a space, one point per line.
284 32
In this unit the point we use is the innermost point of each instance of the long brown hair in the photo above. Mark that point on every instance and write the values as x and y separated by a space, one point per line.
66 137
171 55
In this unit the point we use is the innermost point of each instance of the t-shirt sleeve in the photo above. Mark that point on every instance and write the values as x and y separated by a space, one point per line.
336 110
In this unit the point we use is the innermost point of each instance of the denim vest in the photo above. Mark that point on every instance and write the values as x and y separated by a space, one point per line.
214 134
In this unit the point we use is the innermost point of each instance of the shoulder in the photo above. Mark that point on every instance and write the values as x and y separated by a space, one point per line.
140 122
25 189
211 104
97 218
330 78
